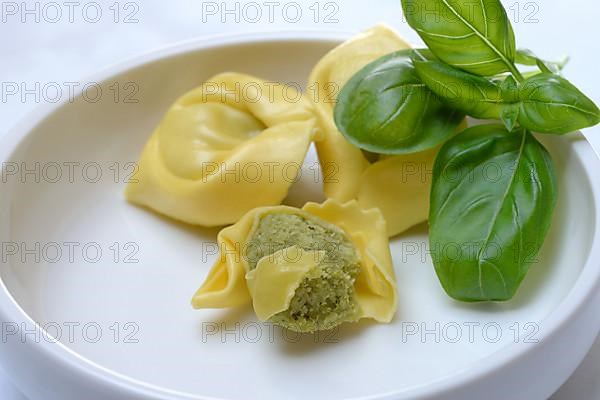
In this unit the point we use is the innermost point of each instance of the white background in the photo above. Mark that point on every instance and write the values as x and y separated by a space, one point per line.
51 44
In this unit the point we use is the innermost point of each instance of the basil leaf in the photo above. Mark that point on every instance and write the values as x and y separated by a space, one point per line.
472 94
510 94
551 104
492 200
510 116
526 57
385 108
474 36
509 90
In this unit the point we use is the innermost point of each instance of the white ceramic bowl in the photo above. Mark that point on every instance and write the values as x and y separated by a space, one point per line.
127 330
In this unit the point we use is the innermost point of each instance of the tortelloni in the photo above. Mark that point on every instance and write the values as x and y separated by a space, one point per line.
305 269
398 185
234 143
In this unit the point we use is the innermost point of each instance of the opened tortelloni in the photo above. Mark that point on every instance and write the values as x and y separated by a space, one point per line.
398 185
234 143
305 269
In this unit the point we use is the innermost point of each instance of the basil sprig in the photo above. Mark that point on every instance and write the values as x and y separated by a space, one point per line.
485 230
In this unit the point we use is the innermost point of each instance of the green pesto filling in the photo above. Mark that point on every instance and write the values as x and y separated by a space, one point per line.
325 297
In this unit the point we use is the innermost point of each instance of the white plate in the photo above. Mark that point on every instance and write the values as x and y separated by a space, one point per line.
153 345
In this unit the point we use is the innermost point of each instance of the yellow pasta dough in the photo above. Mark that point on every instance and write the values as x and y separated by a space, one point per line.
305 269
399 186
224 148
330 75
389 183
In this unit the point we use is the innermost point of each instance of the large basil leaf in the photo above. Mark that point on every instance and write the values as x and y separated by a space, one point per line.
474 36
472 94
551 104
385 108
492 201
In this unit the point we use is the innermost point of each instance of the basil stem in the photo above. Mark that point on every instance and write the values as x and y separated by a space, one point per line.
526 57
